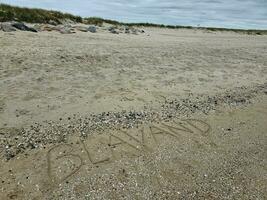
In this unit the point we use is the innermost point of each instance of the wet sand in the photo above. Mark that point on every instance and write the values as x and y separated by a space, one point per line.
176 114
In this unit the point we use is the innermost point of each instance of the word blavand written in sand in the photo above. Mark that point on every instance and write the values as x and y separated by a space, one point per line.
106 148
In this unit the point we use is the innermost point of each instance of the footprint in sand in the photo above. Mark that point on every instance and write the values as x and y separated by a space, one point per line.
2 106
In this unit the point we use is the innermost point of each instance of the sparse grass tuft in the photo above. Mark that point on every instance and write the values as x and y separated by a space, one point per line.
99 21
14 13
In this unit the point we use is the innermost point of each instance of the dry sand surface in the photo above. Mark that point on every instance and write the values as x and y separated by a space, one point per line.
168 114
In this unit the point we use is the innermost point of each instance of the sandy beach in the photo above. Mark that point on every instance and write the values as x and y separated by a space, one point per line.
164 114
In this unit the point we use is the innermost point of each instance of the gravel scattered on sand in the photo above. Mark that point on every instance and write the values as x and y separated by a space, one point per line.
16 141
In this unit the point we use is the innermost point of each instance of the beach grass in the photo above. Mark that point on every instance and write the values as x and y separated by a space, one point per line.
34 15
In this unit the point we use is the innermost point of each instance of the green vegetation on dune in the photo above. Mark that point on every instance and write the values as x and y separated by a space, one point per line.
33 15
99 21
30 15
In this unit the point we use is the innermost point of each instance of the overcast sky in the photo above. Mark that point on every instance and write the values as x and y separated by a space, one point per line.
217 13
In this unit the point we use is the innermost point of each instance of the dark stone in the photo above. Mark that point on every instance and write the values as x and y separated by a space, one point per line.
23 27
92 29
113 30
